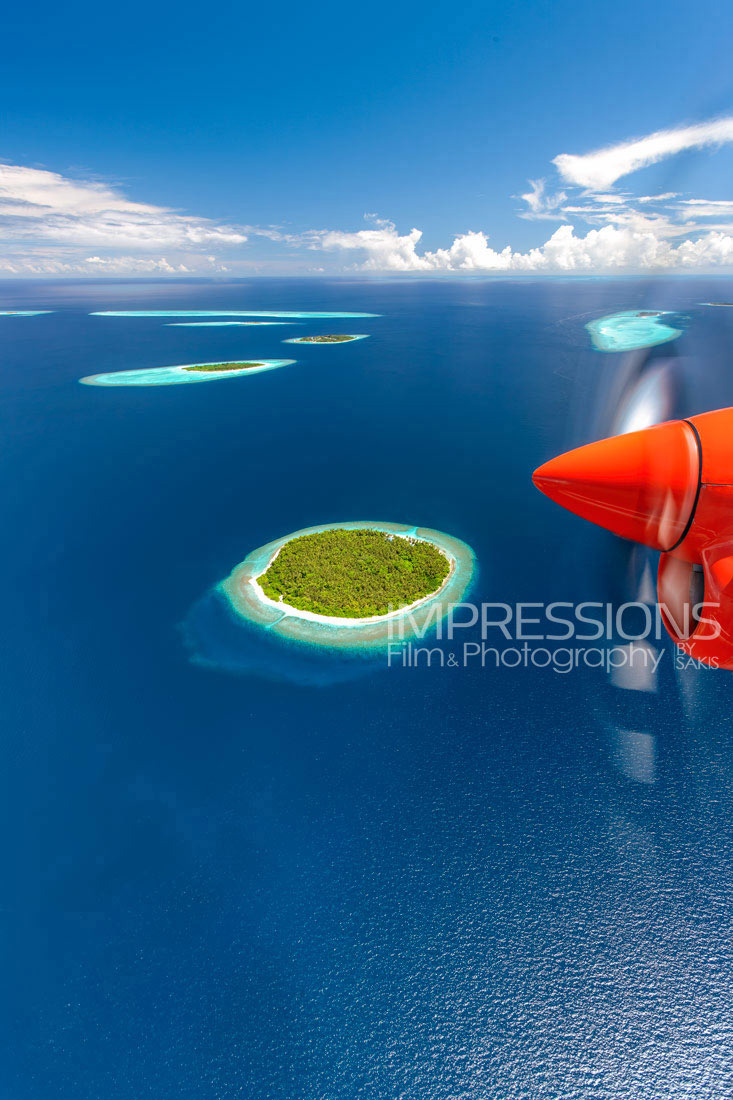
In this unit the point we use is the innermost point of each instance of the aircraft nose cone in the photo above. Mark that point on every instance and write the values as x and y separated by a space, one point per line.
642 485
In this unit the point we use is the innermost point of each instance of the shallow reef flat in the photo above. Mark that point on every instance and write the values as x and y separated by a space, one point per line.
320 341
189 372
221 324
24 312
632 329
224 313
246 599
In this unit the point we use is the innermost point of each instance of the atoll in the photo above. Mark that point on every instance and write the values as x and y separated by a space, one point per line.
445 561
632 329
189 372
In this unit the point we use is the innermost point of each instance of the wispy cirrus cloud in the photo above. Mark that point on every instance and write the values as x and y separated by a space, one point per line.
540 205
41 206
601 169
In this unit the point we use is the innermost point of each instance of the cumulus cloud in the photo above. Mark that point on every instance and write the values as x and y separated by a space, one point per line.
610 249
661 232
384 248
600 169
52 224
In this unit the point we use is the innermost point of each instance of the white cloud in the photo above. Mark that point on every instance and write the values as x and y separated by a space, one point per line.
41 206
652 233
658 198
600 169
606 250
51 224
385 249
39 263
543 207
122 264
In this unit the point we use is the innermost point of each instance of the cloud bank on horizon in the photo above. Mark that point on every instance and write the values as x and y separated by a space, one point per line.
53 225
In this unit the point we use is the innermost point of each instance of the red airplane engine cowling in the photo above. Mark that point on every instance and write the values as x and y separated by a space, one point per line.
669 487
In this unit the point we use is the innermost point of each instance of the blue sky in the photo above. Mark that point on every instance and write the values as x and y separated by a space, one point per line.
154 139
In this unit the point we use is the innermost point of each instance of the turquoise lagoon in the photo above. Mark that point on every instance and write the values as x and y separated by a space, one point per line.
24 312
632 329
220 324
224 313
293 625
176 376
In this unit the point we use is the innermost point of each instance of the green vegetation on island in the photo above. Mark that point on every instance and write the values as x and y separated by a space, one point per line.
325 339
209 368
354 573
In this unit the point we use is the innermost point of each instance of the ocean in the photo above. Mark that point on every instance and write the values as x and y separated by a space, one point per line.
237 868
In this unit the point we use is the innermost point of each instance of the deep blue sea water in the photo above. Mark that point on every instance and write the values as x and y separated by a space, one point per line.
231 870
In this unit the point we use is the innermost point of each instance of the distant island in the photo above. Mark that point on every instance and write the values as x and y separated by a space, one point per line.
334 585
356 574
329 339
325 339
24 312
717 303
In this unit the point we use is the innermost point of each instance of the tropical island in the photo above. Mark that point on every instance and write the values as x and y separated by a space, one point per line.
24 312
189 372
356 584
330 339
354 573
632 329
213 368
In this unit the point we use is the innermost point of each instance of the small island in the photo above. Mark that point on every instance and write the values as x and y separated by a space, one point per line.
329 339
24 312
354 574
632 329
189 372
214 368
356 584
